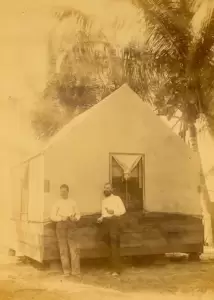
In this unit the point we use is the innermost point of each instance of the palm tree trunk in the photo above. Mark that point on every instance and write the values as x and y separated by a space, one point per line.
193 137
204 195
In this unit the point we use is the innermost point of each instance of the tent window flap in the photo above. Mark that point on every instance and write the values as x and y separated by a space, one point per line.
127 172
127 163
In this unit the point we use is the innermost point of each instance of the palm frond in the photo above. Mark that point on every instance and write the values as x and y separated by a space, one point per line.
203 27
82 19
206 75
167 27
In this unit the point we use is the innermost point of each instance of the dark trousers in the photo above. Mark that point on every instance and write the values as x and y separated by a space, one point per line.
112 238
66 233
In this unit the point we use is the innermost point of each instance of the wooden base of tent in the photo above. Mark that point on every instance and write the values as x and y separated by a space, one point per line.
141 234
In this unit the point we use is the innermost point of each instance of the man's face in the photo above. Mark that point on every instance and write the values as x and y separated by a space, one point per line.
64 193
107 190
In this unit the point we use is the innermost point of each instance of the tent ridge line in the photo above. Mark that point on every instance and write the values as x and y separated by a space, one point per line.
126 153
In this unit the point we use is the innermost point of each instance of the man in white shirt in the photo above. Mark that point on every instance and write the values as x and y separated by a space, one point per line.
112 209
66 214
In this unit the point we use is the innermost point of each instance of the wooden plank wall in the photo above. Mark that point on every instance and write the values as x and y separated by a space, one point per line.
151 233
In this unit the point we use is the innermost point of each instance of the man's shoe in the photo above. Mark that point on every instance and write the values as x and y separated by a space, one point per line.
66 274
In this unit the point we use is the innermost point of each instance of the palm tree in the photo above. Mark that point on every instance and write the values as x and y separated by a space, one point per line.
183 55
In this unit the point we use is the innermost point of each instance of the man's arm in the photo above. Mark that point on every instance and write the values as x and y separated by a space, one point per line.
54 216
76 211
103 208
100 219
120 208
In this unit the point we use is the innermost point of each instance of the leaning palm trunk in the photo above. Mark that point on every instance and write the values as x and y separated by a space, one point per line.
204 195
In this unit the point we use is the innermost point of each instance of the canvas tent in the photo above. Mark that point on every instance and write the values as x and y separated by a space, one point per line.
79 156
120 135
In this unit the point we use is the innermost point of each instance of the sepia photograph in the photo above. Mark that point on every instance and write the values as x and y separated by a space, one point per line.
107 149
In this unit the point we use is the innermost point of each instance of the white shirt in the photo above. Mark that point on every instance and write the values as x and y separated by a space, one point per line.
64 208
112 203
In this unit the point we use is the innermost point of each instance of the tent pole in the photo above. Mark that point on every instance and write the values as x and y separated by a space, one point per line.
126 194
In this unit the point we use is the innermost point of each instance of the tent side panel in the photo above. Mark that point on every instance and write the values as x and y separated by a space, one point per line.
30 240
31 233
29 225
19 191
16 194
36 189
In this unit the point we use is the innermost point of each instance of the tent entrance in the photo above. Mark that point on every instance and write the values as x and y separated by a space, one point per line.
127 178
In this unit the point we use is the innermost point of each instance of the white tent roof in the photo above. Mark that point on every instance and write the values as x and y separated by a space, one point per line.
124 91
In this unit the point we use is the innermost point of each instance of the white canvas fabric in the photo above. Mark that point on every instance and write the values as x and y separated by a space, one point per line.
36 189
127 162
78 155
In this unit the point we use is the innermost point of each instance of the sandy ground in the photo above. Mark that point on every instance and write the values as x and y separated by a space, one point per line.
167 280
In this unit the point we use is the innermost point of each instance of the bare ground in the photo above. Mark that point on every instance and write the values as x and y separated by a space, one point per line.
167 280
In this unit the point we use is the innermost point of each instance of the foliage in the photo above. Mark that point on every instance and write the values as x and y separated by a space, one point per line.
173 68
180 42
84 68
